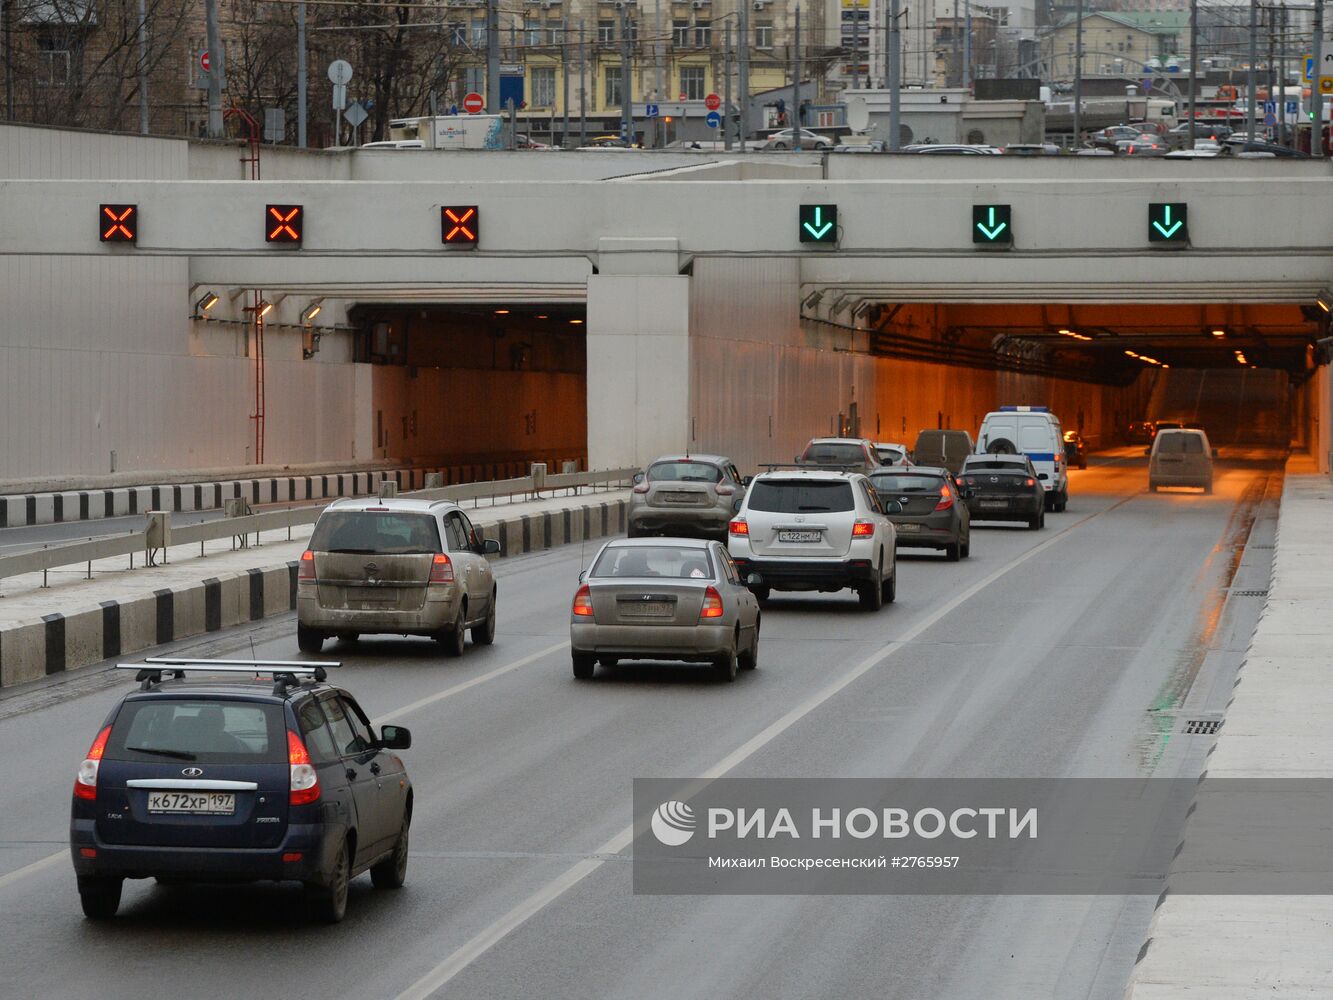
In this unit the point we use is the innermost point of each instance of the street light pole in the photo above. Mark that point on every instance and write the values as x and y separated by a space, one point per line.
1317 95
143 69
743 73
796 83
493 56
726 87
626 90
1194 68
214 69
1078 74
301 108
1254 58
895 54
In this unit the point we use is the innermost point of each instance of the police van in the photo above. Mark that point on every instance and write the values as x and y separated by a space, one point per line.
1033 431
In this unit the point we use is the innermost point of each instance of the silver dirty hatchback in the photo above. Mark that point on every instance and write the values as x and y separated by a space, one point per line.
686 496
402 567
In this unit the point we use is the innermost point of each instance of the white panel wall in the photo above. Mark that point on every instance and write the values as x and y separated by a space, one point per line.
56 154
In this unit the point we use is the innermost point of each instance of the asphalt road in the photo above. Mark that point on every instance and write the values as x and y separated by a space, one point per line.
1065 652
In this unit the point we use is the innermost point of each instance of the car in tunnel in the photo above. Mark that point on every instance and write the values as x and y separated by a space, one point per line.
944 447
395 566
675 599
1004 488
930 510
893 453
1181 457
840 453
1033 431
685 496
1076 449
819 530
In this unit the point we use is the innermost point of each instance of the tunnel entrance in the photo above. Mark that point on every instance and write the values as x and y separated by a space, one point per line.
486 386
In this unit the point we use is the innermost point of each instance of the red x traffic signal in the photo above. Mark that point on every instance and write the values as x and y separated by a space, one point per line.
461 225
283 223
118 223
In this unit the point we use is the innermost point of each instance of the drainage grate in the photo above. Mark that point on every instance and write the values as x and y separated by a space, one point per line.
1249 593
1203 727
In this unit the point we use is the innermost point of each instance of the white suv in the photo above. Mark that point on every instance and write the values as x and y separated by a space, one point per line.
821 530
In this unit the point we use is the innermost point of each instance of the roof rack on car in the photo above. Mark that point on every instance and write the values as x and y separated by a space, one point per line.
823 466
285 673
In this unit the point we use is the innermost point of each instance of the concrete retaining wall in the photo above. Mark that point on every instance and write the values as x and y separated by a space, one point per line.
88 505
57 643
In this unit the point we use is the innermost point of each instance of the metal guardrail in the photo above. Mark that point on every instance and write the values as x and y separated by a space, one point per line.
242 529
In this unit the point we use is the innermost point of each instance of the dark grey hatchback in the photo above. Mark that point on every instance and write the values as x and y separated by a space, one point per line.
234 780
932 514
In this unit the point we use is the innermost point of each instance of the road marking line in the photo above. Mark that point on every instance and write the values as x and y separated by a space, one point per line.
33 869
482 942
438 696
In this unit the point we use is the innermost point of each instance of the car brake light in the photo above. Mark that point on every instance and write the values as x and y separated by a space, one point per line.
738 527
1029 482
946 498
441 569
583 602
641 487
725 489
863 529
307 566
304 783
712 604
85 782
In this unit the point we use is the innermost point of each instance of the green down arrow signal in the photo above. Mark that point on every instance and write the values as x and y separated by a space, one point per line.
1166 227
820 229
990 229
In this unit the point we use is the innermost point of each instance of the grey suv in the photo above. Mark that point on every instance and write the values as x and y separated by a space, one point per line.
403 567
686 496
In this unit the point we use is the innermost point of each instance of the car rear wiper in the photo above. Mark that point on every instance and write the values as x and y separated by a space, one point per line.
814 509
352 552
176 754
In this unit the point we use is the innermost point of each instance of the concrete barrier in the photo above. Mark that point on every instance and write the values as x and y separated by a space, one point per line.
55 643
26 510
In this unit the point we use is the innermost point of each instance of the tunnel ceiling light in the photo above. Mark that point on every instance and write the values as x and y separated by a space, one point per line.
1219 333
1324 300
263 309
1131 354
576 322
206 302
502 312
542 316
309 313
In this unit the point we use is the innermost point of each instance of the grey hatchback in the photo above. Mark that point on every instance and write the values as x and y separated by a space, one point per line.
932 513
686 496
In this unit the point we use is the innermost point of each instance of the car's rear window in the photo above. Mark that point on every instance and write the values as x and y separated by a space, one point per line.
890 456
197 729
906 484
672 561
778 496
1013 468
689 472
1180 444
834 454
378 532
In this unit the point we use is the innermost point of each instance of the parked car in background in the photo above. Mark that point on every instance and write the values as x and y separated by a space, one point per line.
952 149
932 513
1241 143
1107 138
684 496
945 448
664 599
786 139
1076 449
1139 432
1004 488
860 144
1181 457
1032 149
395 566
1144 145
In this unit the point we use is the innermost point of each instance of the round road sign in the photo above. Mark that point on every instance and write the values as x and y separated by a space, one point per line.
713 119
712 102
340 72
473 103
204 61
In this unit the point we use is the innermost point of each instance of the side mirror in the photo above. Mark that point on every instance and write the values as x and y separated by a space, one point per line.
797 459
1214 453
638 478
490 547
395 738
754 580
893 507
746 480
583 576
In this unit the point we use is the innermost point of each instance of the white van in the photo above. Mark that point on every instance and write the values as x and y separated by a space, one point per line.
1033 431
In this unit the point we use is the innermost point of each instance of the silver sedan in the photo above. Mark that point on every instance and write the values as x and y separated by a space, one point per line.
664 599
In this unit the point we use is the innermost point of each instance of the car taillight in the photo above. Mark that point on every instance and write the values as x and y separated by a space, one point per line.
1029 482
441 569
863 529
304 783
738 527
306 567
946 498
641 487
85 782
712 604
725 489
583 602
